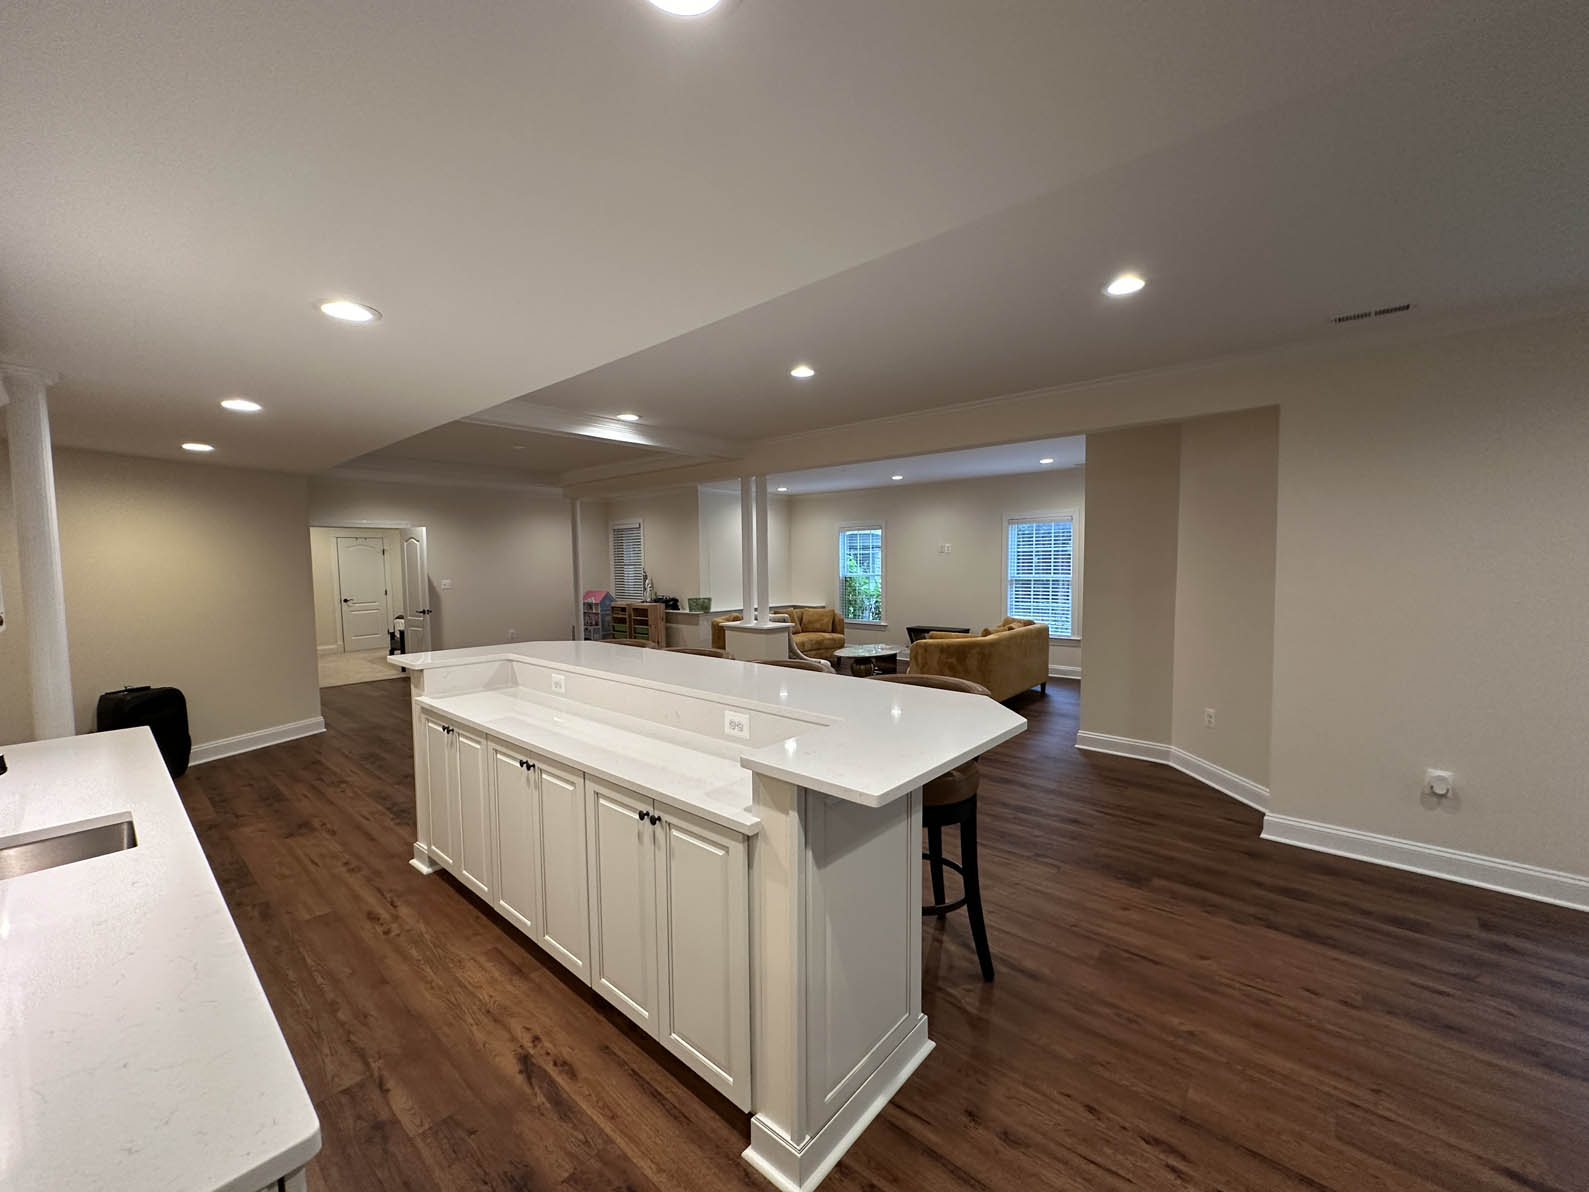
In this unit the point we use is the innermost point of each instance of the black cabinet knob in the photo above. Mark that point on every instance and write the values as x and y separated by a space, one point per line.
656 819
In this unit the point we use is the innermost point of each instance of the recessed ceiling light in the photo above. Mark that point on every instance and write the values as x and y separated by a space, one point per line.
1126 283
628 417
686 8
896 478
201 448
783 488
1047 459
349 312
802 371
242 405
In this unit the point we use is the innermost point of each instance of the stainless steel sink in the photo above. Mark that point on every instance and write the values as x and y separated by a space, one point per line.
66 846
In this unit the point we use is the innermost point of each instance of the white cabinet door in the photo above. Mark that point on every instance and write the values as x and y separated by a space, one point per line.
703 951
439 774
565 906
474 811
623 916
517 888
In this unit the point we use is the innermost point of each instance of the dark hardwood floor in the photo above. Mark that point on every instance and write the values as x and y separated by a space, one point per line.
1179 1005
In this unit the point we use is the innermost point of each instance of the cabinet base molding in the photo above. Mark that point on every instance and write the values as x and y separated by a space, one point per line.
421 860
801 1168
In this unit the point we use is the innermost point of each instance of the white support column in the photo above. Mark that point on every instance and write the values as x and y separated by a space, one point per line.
38 548
747 548
576 532
763 583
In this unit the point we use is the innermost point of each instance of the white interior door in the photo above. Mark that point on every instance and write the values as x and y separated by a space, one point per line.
416 592
361 576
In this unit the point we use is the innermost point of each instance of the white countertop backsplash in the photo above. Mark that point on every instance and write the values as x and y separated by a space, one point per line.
863 741
137 1050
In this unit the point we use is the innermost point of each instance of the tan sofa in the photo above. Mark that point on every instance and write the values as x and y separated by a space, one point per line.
1006 659
817 631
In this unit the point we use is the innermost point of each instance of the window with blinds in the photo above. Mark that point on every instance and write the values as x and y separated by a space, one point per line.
861 573
628 563
1040 565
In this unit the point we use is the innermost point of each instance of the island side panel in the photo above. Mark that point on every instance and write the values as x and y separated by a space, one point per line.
836 978
421 860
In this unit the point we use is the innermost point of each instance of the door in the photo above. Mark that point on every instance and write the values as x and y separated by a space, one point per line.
623 956
703 951
439 776
517 888
474 812
565 892
361 576
416 592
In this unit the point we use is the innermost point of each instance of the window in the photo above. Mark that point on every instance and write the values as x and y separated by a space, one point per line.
1040 561
861 572
628 565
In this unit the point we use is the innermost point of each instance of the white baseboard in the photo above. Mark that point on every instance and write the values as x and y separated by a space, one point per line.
1146 751
791 1168
211 751
1472 869
1226 782
1064 672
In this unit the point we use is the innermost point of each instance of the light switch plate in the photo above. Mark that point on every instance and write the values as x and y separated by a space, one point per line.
446 585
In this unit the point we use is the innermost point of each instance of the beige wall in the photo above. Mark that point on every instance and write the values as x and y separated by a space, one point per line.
921 586
721 547
1432 593
669 538
1224 590
507 552
1133 513
327 585
177 574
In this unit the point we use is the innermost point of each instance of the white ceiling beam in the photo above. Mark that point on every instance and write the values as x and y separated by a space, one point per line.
520 414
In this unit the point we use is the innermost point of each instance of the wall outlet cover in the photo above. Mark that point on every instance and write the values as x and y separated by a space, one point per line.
736 723
446 585
1208 717
559 684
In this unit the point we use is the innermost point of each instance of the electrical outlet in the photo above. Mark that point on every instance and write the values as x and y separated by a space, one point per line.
559 684
1208 717
513 635
446 585
736 723
943 548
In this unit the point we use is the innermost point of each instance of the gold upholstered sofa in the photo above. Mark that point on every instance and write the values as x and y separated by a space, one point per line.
1007 659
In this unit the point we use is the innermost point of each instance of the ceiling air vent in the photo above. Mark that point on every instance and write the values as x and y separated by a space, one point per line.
1359 315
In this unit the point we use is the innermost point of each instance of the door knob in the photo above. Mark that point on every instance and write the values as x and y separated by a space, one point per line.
347 600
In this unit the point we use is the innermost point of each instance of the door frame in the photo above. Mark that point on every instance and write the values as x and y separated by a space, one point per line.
396 598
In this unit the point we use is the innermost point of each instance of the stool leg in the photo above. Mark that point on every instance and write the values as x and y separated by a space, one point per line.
968 865
935 863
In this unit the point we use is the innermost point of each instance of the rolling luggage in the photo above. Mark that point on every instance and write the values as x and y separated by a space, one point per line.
163 709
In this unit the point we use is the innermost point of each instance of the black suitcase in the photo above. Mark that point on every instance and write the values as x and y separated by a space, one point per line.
163 709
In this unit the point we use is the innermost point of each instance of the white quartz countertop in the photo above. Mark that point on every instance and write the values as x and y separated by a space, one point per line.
137 1050
606 745
863 741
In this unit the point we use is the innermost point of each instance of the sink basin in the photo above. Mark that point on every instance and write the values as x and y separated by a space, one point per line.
64 847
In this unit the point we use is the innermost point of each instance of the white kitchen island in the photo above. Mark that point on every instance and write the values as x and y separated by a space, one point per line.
728 853
137 1050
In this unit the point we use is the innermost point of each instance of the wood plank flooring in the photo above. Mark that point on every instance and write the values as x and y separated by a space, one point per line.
1179 1005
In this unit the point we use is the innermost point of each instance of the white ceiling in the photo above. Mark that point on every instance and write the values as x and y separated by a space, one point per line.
1010 459
532 189
541 458
1453 178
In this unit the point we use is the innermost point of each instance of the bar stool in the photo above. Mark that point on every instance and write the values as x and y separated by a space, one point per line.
633 641
806 664
704 652
948 800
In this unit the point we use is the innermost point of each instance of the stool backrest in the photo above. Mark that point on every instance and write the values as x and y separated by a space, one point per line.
941 682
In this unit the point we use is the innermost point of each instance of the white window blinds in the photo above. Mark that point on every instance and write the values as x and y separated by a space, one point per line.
628 564
861 573
1040 565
